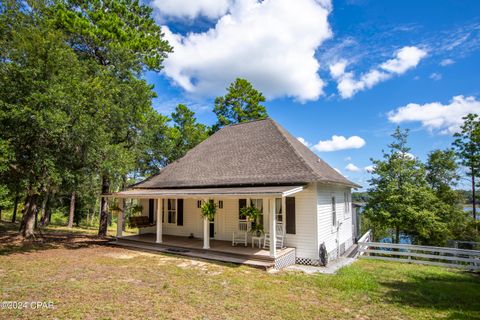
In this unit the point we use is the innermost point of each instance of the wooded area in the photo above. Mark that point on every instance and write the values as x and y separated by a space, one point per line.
76 111
415 200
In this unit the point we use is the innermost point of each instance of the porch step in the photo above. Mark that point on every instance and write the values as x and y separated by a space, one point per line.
195 253
352 252
172 247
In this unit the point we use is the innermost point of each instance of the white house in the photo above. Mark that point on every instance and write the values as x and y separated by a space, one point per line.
304 202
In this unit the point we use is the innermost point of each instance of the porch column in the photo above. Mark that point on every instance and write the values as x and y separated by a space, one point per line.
120 219
273 230
206 232
159 220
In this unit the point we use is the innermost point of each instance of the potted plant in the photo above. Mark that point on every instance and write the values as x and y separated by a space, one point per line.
208 209
257 229
252 214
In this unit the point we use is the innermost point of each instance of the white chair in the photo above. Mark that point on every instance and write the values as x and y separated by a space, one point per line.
240 236
280 235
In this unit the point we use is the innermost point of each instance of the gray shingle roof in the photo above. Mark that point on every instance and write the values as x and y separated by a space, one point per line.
253 153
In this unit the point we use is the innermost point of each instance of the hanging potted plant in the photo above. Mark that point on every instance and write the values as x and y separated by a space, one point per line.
252 214
208 209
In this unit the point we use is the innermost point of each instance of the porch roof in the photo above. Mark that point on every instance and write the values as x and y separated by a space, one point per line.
267 191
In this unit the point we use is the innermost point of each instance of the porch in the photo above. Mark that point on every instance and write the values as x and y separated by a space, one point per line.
219 250
175 223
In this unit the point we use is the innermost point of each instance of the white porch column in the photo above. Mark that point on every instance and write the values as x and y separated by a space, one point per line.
284 215
273 230
206 231
159 220
120 219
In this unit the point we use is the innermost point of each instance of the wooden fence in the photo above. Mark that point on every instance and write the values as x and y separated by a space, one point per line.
436 256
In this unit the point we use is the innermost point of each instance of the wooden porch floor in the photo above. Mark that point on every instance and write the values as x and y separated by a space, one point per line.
219 250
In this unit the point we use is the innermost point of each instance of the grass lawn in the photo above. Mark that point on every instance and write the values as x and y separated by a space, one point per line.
87 279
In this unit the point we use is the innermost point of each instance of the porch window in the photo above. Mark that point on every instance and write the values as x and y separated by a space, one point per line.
258 203
278 210
334 211
171 210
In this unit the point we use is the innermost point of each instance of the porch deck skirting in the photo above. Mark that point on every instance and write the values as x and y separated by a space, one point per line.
219 250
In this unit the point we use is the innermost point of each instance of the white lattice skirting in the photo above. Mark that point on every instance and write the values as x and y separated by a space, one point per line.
286 260
307 261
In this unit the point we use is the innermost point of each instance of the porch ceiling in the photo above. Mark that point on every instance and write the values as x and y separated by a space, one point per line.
272 191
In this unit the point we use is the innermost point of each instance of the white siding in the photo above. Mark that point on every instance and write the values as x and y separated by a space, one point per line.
313 216
334 237
305 237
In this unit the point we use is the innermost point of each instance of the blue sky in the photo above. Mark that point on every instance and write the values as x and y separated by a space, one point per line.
353 69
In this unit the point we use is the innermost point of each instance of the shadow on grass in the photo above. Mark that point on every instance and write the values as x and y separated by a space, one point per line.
11 242
51 238
458 293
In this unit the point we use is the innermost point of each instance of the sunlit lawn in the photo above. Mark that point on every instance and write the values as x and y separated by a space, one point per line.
87 279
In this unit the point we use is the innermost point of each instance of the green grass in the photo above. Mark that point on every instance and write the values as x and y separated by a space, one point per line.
87 279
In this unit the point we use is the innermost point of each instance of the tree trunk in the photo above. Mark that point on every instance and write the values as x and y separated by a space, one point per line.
124 202
103 225
43 209
72 210
36 218
474 204
28 219
15 207
124 206
397 234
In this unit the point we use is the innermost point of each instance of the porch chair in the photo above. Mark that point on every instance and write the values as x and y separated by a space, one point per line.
241 235
280 237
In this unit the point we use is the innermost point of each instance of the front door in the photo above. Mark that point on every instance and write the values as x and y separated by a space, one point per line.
212 229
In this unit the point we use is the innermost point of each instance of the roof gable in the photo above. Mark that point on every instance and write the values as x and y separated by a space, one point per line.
253 153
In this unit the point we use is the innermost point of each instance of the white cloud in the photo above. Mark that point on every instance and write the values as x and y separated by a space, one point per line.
369 169
352 168
435 116
436 76
270 43
305 142
192 9
348 159
339 143
405 59
447 62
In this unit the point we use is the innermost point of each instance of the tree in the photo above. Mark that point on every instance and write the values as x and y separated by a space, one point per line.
123 38
41 79
186 133
467 145
400 198
442 175
241 103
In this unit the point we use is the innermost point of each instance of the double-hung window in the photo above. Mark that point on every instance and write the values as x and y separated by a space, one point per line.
347 203
278 210
258 203
170 210
334 211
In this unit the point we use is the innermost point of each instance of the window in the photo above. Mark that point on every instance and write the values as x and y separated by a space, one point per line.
220 204
346 197
334 211
258 203
278 210
170 210
199 204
